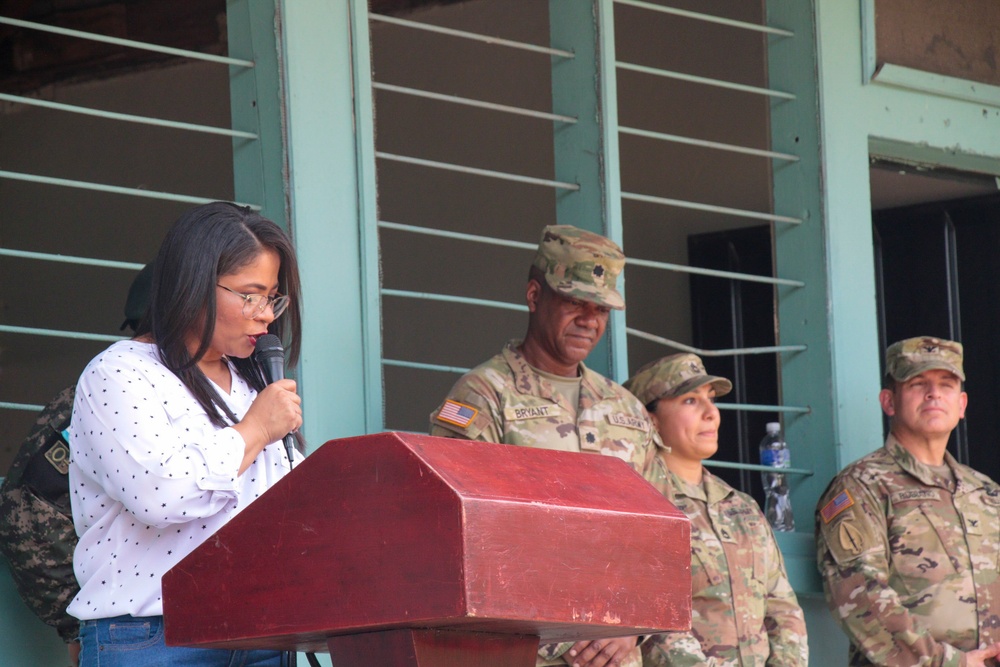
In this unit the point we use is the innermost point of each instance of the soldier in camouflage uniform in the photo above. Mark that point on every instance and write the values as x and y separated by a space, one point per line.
36 524
37 536
908 538
743 612
538 393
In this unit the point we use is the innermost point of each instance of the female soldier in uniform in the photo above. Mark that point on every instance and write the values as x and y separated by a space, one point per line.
744 612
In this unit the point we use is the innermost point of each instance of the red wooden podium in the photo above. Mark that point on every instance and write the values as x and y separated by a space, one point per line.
399 549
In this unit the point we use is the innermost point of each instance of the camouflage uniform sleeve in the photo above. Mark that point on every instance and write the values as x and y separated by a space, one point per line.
556 654
552 654
36 529
470 412
674 649
38 543
784 621
853 557
653 446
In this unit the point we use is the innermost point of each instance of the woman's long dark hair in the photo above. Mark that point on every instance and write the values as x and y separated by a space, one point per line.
205 243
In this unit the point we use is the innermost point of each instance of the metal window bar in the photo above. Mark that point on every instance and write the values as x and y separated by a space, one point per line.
115 189
633 196
704 80
784 157
716 273
455 99
732 352
708 18
519 307
754 407
470 301
136 192
100 187
679 268
32 331
27 407
144 46
75 335
712 463
456 235
732 148
475 36
426 367
129 118
710 208
490 173
70 259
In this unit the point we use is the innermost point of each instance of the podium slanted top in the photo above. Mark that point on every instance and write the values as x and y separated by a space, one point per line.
397 530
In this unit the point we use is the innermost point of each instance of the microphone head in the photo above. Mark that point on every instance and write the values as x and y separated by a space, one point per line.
269 346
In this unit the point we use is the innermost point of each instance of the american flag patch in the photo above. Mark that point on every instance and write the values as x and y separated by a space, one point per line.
457 413
840 502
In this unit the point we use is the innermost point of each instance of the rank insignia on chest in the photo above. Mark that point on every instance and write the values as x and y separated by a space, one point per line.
459 414
840 502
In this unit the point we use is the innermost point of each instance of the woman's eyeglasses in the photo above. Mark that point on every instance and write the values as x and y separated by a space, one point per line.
256 304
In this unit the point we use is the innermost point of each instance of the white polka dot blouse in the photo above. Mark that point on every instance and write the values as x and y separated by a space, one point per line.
150 477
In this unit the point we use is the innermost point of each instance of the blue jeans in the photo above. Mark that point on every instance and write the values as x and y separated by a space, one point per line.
129 641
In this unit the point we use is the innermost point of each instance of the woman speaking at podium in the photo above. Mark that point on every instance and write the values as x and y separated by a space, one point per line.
175 431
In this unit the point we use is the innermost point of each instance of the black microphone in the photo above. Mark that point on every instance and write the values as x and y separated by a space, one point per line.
271 357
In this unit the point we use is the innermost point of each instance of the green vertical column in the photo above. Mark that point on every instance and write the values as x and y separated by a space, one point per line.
586 152
805 314
331 189
852 112
834 314
255 102
801 254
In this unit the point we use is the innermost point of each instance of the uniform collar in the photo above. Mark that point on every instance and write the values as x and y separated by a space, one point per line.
965 481
593 386
712 490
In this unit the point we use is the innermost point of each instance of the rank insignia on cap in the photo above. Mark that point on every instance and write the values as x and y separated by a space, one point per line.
599 273
840 502
457 413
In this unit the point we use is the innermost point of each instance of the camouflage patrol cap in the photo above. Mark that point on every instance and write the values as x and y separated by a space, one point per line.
913 356
673 376
581 265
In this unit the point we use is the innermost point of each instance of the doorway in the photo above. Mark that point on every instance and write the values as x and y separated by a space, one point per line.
936 240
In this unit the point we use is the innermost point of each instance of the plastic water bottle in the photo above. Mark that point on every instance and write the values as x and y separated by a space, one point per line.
774 453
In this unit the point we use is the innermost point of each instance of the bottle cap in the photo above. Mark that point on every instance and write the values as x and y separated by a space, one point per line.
773 428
